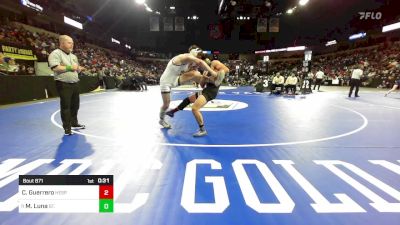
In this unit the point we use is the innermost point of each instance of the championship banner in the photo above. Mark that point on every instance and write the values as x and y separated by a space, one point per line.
262 24
17 52
274 25
179 24
168 24
154 23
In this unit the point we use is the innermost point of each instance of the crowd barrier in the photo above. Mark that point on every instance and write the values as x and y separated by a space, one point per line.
14 89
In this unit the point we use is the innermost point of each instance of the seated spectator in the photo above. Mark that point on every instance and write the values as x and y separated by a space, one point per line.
3 64
30 70
13 67
22 70
277 81
291 83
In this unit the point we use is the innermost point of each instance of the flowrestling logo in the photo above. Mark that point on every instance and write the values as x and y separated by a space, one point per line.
370 15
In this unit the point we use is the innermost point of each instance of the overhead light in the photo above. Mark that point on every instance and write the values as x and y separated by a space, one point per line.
356 36
113 40
172 7
248 18
157 12
188 18
148 9
329 43
289 11
140 2
270 51
268 4
73 23
31 5
391 27
220 6
303 2
241 17
299 48
233 3
290 49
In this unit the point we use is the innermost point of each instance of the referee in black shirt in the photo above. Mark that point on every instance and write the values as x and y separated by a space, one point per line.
66 68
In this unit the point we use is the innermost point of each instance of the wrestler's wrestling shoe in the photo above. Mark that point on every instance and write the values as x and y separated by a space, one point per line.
170 113
164 124
200 133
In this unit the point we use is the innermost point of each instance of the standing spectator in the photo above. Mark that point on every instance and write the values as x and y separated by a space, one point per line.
66 68
309 77
102 77
319 77
306 83
356 80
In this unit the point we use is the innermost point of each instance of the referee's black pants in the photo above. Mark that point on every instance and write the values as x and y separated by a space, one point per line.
69 103
318 82
354 83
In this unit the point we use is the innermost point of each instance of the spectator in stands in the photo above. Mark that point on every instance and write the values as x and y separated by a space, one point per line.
319 76
22 70
66 68
142 82
291 83
355 81
3 63
2 35
13 67
277 81
30 70
379 59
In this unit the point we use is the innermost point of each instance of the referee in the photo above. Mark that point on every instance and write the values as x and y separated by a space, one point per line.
66 68
320 77
355 81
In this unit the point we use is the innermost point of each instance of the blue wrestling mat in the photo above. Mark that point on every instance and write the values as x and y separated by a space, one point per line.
309 160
